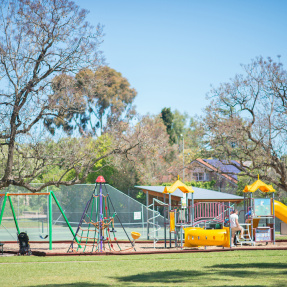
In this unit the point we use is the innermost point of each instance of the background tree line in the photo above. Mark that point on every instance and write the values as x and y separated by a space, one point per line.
66 117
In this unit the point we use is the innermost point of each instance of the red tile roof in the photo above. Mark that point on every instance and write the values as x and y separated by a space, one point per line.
216 170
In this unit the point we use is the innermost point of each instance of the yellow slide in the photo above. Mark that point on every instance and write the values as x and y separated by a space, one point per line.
280 210
196 236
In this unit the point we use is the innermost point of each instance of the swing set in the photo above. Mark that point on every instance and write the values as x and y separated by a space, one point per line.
51 196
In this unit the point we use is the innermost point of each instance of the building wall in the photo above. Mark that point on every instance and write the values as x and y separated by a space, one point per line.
197 172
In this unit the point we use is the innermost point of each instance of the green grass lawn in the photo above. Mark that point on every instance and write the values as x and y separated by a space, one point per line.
232 268
280 237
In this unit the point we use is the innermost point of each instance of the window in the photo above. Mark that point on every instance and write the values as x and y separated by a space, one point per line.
198 176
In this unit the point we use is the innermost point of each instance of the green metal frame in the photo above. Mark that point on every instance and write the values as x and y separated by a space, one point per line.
50 221
14 215
3 207
50 197
62 212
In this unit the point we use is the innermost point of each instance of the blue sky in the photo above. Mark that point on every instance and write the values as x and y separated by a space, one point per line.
172 51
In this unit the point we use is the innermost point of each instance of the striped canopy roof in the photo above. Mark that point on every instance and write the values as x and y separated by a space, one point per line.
258 184
178 185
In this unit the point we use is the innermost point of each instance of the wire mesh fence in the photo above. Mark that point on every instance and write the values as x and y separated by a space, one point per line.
32 212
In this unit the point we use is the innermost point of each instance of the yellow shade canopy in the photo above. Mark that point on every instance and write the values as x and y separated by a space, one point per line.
258 184
178 185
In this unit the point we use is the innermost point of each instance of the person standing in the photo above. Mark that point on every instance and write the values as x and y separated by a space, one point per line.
234 224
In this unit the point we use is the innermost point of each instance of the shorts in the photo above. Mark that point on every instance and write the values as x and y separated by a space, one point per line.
234 229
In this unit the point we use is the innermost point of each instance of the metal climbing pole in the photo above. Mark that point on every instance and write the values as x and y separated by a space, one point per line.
101 217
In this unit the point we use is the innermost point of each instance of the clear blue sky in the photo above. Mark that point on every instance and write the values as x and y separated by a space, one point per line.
172 51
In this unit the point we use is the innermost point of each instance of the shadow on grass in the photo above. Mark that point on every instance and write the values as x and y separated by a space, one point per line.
264 270
175 276
251 265
78 284
216 272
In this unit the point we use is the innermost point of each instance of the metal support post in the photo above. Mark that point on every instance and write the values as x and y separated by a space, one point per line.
50 221
192 210
142 219
169 209
63 214
147 225
3 207
181 231
186 210
273 218
244 201
251 216
164 222
153 222
175 229
14 215
230 230
101 218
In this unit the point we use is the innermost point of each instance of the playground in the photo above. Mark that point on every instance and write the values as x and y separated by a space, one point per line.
183 241
106 221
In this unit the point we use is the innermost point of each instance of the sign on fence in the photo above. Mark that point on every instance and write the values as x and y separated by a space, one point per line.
137 215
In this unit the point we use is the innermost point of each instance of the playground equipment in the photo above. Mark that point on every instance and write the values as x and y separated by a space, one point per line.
196 236
96 229
207 223
210 215
135 236
183 219
152 221
183 215
280 210
257 209
31 218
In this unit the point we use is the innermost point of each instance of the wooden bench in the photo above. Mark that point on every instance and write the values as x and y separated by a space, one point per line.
1 248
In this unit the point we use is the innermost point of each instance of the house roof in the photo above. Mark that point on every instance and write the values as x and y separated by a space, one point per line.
200 194
229 171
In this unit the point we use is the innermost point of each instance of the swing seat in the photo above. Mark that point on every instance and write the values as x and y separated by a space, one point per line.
113 230
43 236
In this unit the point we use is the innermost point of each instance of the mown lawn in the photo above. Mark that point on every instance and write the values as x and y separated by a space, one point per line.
232 268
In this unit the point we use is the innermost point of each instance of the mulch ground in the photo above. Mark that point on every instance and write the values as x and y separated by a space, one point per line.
60 249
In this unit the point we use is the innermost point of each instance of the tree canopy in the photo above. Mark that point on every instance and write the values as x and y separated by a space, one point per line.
246 120
101 98
43 45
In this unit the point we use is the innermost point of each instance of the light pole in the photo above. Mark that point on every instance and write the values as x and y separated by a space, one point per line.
182 157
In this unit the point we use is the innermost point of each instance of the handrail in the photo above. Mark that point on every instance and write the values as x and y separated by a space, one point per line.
209 211
156 227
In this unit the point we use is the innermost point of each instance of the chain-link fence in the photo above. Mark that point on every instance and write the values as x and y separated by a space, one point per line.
32 212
